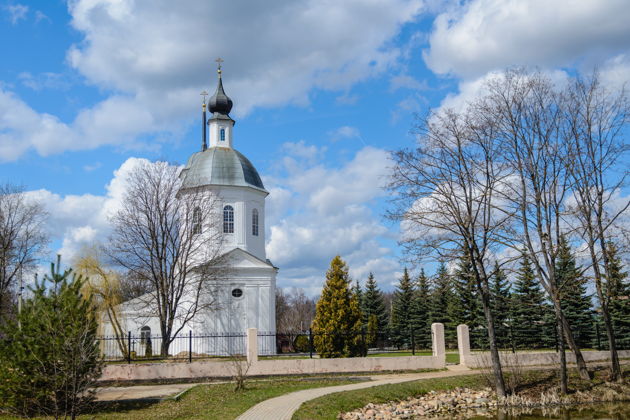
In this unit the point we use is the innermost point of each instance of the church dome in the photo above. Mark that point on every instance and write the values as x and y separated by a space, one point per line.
220 166
220 103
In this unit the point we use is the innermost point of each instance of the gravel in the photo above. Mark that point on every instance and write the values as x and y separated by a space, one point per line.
453 404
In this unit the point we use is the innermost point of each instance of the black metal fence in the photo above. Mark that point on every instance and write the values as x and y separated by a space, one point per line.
189 346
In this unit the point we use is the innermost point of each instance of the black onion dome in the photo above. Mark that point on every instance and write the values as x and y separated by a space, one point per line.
220 102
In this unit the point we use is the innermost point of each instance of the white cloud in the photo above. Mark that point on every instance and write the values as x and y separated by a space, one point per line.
405 81
344 132
16 12
485 35
152 59
79 220
328 211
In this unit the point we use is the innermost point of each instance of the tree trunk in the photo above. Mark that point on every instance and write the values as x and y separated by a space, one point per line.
579 358
615 368
494 351
564 383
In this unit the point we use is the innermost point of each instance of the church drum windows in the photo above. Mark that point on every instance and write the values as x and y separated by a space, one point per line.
255 222
222 134
228 219
196 221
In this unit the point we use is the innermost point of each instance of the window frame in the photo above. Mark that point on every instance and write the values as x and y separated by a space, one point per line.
228 219
255 222
197 225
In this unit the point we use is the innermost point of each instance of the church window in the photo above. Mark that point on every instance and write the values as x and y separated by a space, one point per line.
145 335
222 134
255 222
228 219
196 221
237 293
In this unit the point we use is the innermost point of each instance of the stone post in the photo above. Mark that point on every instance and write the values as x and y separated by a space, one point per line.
252 345
463 343
437 337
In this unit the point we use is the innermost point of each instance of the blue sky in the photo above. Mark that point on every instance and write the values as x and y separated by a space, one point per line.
322 90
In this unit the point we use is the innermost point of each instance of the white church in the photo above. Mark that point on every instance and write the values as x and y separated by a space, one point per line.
245 295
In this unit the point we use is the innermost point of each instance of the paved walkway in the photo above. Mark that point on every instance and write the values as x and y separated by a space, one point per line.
140 392
283 407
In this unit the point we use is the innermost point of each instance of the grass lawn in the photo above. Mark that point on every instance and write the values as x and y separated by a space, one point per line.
209 402
329 406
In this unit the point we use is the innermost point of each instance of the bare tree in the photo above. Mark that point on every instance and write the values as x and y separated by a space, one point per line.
527 113
595 120
171 237
294 310
446 196
22 237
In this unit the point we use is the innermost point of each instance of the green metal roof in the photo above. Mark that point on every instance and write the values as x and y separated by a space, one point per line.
220 166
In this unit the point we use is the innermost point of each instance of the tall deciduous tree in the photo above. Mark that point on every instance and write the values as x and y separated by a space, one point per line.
525 113
596 127
447 199
22 238
337 323
171 238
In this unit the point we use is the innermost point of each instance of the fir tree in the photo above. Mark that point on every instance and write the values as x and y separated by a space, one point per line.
402 311
337 323
528 307
50 359
441 298
500 306
421 312
618 294
374 304
574 300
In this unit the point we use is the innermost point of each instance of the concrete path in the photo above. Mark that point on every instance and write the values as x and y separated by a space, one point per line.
141 392
283 407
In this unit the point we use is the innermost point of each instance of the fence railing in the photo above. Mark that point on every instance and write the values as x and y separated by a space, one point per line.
186 347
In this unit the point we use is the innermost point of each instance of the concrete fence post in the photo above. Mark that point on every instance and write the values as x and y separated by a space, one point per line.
437 338
463 343
252 345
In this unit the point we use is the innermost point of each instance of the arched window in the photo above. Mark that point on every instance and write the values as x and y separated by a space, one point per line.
228 219
222 134
145 334
196 221
255 222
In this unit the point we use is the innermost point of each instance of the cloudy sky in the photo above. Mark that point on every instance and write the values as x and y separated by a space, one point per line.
323 89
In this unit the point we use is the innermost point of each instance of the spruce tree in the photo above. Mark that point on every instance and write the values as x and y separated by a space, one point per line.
500 306
337 324
618 294
50 359
465 305
374 304
574 299
421 318
441 298
402 312
528 307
